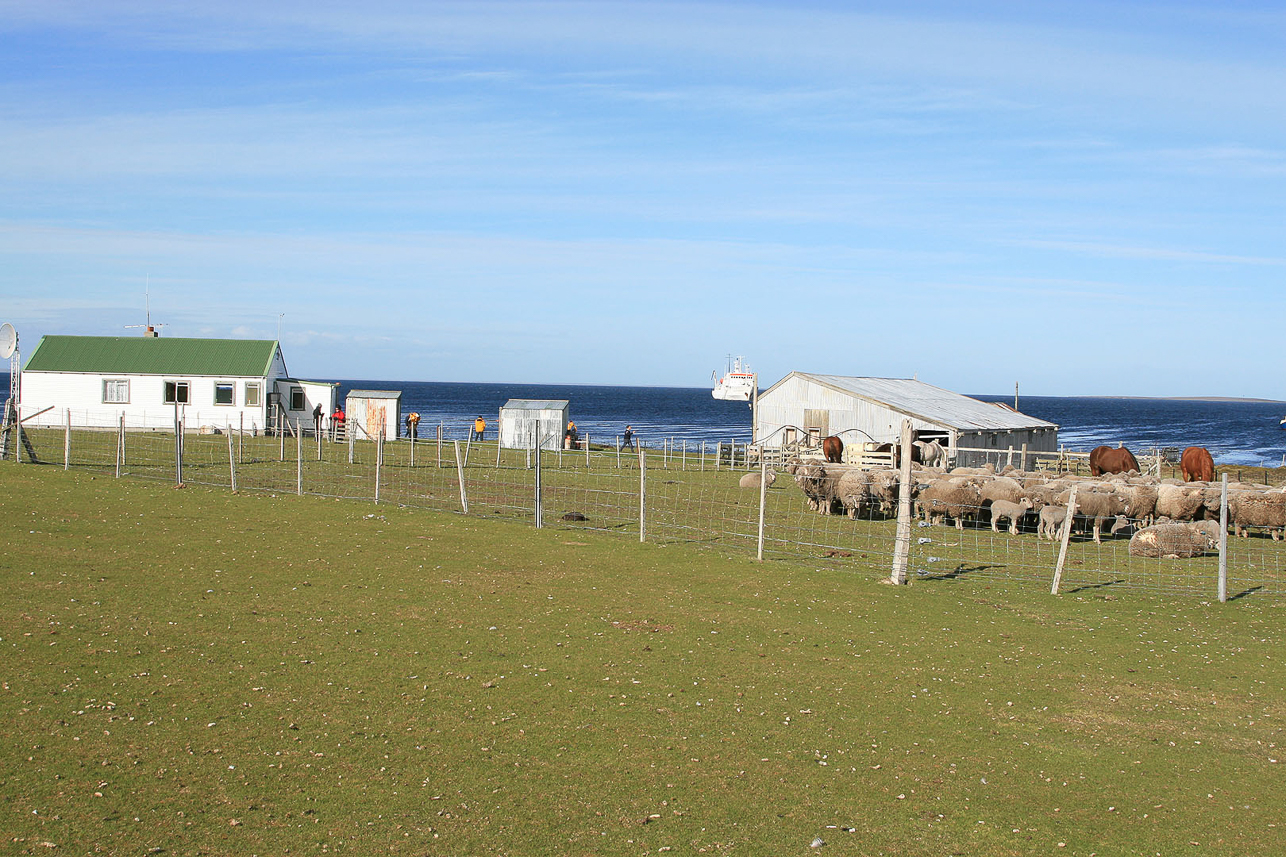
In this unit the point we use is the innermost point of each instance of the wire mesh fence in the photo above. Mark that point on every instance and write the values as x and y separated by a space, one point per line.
663 492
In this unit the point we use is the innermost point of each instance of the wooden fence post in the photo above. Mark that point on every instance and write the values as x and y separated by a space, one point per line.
642 495
299 459
902 544
718 454
232 461
459 472
763 497
1064 538
703 456
538 511
120 446
1223 538
587 450
379 462
67 443
178 446
439 445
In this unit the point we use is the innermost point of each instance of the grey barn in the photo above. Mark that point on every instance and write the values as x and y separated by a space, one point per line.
806 406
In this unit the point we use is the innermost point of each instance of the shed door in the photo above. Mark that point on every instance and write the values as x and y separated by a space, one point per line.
817 419
376 419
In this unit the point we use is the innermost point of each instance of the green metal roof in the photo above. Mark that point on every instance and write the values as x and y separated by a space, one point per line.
146 355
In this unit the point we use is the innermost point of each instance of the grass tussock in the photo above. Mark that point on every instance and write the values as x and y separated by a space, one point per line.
199 672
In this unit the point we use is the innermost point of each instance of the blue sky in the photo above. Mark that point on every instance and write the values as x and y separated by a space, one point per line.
1079 198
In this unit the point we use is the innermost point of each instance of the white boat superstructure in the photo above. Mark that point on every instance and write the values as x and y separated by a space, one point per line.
737 383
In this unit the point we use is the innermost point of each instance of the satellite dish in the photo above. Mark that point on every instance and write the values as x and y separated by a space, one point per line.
8 340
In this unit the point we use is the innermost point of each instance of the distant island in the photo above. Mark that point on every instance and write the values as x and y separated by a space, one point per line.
1195 399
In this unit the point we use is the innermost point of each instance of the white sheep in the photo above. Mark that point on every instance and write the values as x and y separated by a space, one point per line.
1013 511
751 479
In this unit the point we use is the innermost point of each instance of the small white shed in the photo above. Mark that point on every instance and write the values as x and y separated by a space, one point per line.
370 413
522 421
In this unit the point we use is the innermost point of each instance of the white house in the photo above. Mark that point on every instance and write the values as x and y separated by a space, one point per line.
210 383
871 410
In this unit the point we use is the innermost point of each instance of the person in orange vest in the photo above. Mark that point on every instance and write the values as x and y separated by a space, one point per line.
413 424
479 427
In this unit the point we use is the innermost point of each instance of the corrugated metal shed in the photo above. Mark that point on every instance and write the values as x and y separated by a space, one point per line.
372 412
523 421
140 355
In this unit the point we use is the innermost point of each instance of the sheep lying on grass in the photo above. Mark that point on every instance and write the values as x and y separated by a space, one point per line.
1176 541
751 480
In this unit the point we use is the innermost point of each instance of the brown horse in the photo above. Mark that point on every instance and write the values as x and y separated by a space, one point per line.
1106 459
833 449
1197 465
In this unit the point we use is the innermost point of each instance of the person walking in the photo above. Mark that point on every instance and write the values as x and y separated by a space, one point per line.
627 440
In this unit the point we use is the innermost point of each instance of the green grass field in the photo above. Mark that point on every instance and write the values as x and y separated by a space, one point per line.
192 671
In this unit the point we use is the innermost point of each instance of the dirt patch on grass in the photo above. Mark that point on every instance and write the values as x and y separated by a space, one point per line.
646 625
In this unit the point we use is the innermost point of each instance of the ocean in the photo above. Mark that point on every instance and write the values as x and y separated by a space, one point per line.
1235 432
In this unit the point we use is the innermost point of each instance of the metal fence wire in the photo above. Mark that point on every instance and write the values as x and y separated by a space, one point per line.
1126 532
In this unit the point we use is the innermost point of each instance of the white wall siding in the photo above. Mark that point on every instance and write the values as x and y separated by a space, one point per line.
82 392
520 427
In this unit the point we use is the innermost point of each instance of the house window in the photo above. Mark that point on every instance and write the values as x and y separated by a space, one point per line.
297 402
252 395
116 391
177 393
222 394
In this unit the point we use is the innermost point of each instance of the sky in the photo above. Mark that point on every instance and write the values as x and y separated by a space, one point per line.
1079 198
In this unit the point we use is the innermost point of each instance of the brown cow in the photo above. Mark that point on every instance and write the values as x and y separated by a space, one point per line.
1197 465
1106 459
833 449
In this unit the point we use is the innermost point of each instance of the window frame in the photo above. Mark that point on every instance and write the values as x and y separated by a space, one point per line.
297 395
257 388
231 388
107 400
175 386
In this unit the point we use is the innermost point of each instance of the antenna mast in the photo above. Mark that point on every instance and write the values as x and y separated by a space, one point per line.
148 329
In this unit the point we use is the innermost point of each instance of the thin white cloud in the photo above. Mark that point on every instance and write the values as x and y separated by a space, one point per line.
1120 251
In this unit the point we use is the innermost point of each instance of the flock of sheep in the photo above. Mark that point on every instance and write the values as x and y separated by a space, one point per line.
1167 517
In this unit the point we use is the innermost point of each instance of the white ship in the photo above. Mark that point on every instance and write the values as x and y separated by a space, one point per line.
737 383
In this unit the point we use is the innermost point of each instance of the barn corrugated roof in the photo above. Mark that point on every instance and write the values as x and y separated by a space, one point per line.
928 403
536 404
145 355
